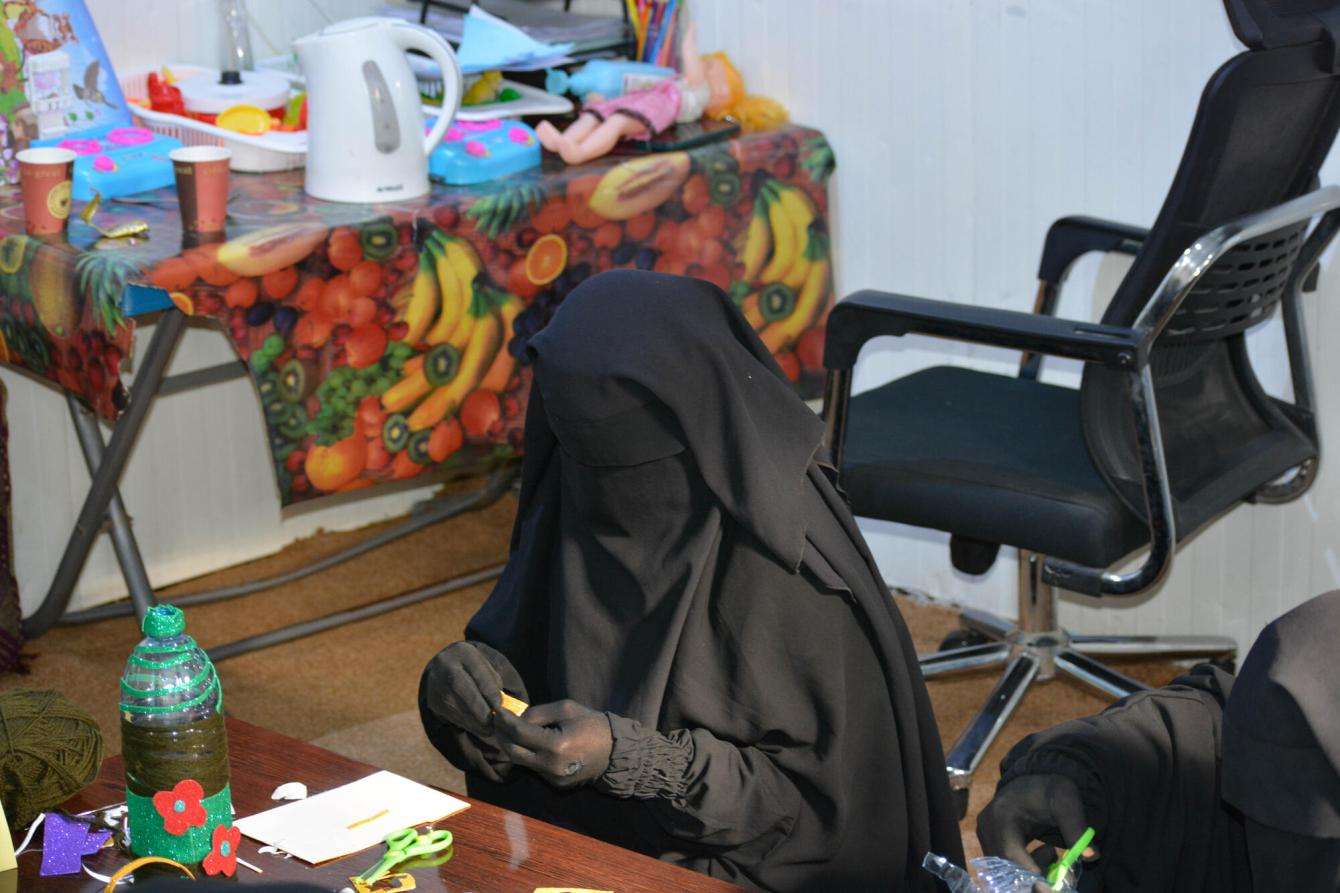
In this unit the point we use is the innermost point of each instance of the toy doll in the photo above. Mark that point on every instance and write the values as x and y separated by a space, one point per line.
701 89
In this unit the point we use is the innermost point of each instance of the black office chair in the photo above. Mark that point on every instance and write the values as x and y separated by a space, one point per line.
1170 426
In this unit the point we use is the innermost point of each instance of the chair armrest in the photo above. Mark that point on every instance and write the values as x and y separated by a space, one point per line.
1070 237
868 314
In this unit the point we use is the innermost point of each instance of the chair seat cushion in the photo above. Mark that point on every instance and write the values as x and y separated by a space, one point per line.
985 456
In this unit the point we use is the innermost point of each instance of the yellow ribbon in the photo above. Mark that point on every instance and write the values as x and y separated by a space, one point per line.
136 864
126 230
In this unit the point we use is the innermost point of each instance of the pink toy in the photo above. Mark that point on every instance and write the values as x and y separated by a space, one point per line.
640 114
129 136
81 147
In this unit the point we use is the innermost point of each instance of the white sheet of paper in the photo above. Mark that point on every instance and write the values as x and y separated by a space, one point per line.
318 829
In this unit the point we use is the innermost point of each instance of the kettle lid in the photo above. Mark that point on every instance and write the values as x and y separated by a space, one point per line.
360 23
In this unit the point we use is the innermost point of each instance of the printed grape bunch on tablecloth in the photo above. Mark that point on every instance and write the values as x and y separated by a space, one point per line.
383 348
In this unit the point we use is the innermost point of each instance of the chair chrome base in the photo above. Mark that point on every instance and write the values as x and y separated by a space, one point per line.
1033 651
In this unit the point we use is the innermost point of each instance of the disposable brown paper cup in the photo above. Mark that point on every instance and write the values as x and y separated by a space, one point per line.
44 180
202 187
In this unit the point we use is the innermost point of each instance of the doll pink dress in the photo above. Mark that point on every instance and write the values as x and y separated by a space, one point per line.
655 108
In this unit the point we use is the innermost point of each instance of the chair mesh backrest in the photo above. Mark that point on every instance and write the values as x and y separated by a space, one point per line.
1266 121
1239 291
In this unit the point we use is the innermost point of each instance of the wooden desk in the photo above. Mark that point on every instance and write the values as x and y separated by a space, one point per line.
495 850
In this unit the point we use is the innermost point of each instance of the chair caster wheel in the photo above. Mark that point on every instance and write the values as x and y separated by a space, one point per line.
960 796
962 638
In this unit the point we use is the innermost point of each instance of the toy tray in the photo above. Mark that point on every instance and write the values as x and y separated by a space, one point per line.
276 151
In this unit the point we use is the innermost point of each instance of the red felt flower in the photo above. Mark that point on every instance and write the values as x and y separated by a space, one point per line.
223 858
180 807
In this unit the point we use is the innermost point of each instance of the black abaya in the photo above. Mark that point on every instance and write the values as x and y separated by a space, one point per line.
682 562
1214 783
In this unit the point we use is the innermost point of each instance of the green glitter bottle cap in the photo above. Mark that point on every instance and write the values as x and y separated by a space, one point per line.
164 622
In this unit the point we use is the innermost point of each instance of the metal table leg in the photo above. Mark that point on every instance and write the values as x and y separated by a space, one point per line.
353 615
438 510
103 501
123 537
103 487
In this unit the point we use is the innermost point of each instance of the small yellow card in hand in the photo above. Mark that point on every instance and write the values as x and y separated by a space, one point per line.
512 705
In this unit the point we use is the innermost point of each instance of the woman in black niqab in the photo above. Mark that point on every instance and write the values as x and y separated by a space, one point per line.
683 570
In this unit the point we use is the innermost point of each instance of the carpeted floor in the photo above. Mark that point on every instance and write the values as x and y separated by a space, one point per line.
354 689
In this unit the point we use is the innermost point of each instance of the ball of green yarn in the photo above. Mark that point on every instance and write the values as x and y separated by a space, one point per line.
49 750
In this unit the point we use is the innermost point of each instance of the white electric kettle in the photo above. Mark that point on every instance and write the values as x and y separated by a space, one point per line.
365 139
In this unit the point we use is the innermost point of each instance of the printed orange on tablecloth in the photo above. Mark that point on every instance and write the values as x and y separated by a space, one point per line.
389 340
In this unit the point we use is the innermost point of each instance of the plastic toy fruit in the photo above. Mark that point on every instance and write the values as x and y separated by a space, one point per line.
295 112
248 119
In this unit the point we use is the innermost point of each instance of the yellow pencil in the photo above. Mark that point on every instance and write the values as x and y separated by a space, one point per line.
361 822
633 17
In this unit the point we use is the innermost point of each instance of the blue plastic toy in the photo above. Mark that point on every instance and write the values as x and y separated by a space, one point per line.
478 151
117 160
608 77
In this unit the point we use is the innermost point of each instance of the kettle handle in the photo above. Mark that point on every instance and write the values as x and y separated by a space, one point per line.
409 36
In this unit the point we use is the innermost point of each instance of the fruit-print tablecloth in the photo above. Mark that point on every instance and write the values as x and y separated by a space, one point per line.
385 340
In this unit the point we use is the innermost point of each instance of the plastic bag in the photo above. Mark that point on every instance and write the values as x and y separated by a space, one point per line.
992 874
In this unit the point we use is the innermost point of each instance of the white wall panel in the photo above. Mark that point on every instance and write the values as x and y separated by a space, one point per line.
963 128
151 32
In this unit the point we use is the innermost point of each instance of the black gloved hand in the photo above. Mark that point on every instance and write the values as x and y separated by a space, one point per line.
462 687
468 753
565 743
1032 807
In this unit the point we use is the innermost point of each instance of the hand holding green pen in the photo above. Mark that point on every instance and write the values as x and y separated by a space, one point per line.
1029 808
1056 874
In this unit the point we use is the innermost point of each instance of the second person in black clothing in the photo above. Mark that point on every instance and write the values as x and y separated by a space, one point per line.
1209 784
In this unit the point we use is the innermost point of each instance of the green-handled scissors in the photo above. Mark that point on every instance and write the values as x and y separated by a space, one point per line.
405 845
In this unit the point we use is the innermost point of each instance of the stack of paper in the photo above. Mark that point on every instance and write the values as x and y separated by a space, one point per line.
488 42
545 24
349 818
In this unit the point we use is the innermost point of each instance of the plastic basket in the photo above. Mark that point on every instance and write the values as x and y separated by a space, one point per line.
253 154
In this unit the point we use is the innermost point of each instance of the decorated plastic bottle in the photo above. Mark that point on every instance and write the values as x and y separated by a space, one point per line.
174 745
